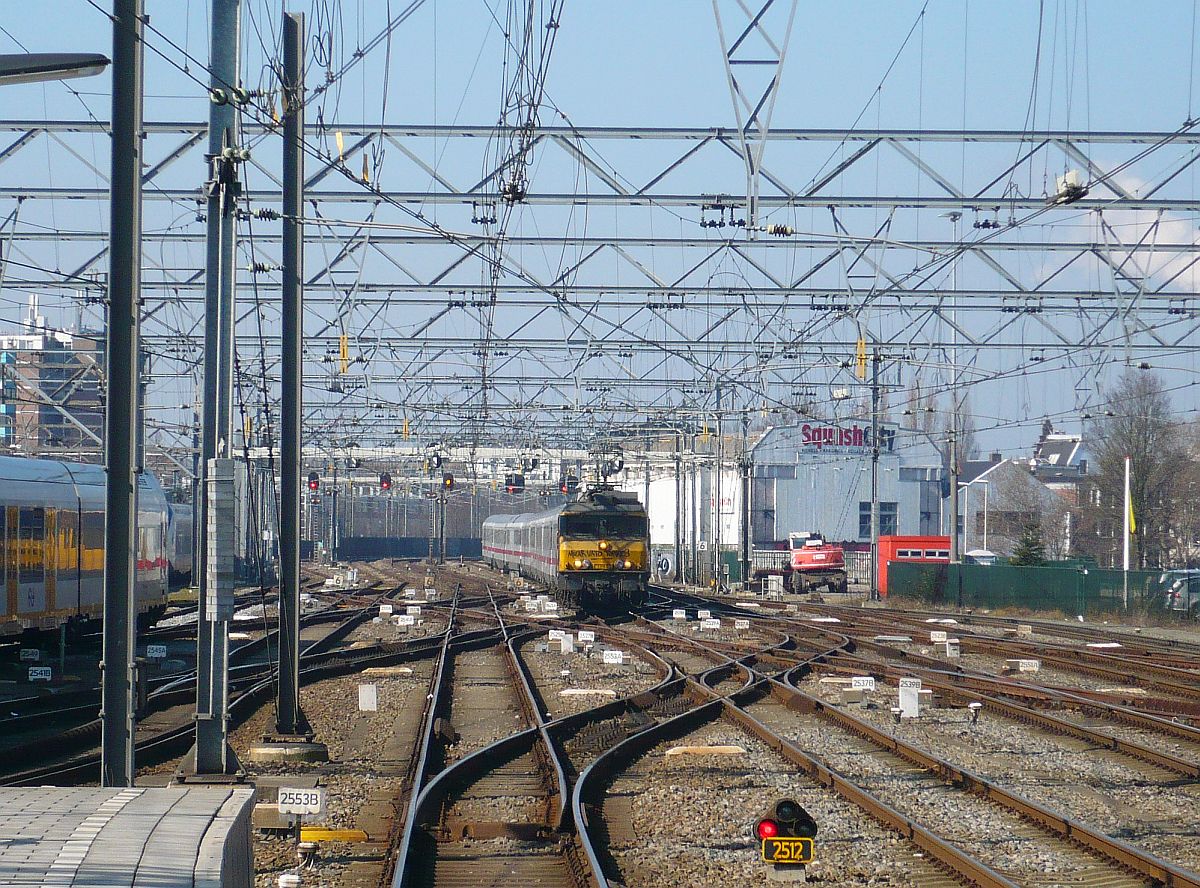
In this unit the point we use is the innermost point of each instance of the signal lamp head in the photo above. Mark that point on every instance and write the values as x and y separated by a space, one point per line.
788 810
767 829
314 481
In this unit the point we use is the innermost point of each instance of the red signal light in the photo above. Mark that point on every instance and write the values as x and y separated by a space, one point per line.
314 481
767 829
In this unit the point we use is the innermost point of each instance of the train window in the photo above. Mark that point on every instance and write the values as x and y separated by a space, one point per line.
943 553
32 524
931 553
91 537
590 526
903 553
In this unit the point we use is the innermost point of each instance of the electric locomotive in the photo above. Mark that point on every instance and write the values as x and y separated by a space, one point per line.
593 552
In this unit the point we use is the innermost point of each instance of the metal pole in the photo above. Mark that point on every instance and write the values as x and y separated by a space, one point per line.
334 535
442 529
875 475
289 719
955 548
124 295
747 468
716 554
678 513
212 636
694 514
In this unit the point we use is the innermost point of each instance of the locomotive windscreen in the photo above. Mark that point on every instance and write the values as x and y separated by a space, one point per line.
591 526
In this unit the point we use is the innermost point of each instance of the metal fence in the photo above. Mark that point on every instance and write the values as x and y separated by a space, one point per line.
1070 590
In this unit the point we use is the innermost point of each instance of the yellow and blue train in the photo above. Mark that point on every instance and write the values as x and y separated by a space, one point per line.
593 552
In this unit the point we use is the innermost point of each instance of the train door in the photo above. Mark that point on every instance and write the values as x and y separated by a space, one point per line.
31 552
67 558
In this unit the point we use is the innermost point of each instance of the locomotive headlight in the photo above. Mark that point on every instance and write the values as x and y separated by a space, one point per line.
579 564
587 565
603 545
628 565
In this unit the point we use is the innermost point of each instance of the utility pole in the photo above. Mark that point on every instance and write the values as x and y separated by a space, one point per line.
874 591
213 755
955 468
720 453
442 528
124 297
333 523
678 512
289 719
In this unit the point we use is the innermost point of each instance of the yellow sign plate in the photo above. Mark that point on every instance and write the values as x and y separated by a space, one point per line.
787 849
323 834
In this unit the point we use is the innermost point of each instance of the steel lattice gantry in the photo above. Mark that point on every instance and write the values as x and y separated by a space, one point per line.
630 287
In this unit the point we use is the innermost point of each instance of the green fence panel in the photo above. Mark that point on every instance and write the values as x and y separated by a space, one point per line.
1071 590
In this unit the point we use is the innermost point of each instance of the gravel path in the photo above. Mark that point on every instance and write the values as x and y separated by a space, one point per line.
583 672
361 771
1107 790
999 838
692 819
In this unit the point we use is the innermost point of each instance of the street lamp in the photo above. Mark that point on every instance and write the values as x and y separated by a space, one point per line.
40 66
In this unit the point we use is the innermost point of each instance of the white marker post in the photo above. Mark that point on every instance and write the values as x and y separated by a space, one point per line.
910 697
368 698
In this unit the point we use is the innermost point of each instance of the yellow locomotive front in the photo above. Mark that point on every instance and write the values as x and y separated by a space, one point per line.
604 550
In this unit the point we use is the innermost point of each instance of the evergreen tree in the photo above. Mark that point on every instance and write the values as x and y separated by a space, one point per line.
1030 549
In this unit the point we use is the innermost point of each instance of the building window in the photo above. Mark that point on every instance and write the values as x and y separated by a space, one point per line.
887 519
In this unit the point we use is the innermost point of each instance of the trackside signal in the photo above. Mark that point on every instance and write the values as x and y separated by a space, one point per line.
785 835
568 484
385 481
447 481
314 481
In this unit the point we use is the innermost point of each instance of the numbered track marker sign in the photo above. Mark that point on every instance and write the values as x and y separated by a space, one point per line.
30 655
937 635
703 615
156 651
741 624
531 605
614 658
711 623
39 673
385 610
585 635
301 801
551 606
368 698
406 620
555 635
863 683
678 614
413 610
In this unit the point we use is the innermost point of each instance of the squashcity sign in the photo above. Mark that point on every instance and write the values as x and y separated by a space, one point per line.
845 437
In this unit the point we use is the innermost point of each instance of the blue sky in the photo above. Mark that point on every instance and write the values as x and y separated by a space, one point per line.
1104 64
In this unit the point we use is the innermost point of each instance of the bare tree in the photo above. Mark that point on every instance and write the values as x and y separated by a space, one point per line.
1136 423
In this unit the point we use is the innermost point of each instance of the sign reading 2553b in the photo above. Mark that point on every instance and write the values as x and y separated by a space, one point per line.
301 801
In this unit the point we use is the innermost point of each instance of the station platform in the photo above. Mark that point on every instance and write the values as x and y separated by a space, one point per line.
90 837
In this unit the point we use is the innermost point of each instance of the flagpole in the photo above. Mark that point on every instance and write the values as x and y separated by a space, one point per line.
1127 511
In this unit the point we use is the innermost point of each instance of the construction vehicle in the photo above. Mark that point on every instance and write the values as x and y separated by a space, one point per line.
813 563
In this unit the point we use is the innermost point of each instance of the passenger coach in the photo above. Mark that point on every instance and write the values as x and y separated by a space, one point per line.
52 544
593 552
